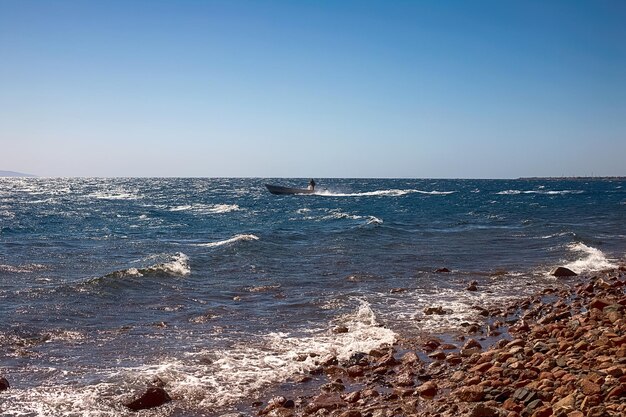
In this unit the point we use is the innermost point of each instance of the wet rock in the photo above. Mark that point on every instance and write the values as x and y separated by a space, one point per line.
340 329
352 397
4 384
472 286
410 358
441 270
472 344
153 397
563 272
434 310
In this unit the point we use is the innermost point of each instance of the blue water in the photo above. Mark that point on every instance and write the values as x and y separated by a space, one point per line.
219 288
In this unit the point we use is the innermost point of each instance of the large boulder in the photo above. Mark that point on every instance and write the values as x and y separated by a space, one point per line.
4 384
561 272
153 397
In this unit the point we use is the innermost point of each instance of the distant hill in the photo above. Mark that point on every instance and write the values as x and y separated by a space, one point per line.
14 174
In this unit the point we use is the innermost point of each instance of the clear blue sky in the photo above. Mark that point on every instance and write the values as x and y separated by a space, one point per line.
474 89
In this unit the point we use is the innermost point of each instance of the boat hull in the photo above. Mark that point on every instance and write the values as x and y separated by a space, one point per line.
278 190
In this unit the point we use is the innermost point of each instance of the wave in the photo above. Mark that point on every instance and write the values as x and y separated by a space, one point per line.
560 234
555 192
207 208
236 238
593 259
276 357
108 195
381 193
176 265
207 379
19 269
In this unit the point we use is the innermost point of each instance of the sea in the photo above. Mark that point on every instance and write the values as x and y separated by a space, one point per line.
224 291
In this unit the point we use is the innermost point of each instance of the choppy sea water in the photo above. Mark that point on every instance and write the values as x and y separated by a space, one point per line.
221 289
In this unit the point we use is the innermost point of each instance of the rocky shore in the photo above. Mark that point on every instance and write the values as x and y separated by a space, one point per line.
559 353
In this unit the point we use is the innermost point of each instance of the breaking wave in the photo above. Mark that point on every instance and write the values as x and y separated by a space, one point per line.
592 260
176 265
234 239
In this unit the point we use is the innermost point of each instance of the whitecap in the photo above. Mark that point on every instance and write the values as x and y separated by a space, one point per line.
176 265
207 208
593 259
234 239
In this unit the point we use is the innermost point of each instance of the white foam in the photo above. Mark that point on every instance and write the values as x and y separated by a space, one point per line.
207 380
381 193
176 265
554 192
236 238
207 208
22 268
374 220
593 259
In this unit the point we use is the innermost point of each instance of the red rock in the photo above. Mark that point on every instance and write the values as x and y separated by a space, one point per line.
545 411
410 358
438 355
470 393
617 392
352 397
355 371
599 303
589 388
351 413
483 367
428 389
325 401
471 344
405 379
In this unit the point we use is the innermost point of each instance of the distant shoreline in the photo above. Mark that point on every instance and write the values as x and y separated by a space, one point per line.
571 178
15 174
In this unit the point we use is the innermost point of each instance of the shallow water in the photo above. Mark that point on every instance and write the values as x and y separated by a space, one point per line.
220 288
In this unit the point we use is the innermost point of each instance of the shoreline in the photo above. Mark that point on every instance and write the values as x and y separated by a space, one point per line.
560 352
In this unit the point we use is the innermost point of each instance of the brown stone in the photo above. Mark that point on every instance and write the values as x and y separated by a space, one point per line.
405 379
410 358
428 389
616 392
473 393
482 368
352 397
589 388
545 411
351 413
4 384
325 401
355 371
153 397
472 344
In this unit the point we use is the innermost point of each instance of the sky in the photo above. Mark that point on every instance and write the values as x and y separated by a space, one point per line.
400 89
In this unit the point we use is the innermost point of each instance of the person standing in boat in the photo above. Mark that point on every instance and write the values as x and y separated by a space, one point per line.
312 185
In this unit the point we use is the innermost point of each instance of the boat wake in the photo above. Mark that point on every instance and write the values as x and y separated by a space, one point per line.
381 193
